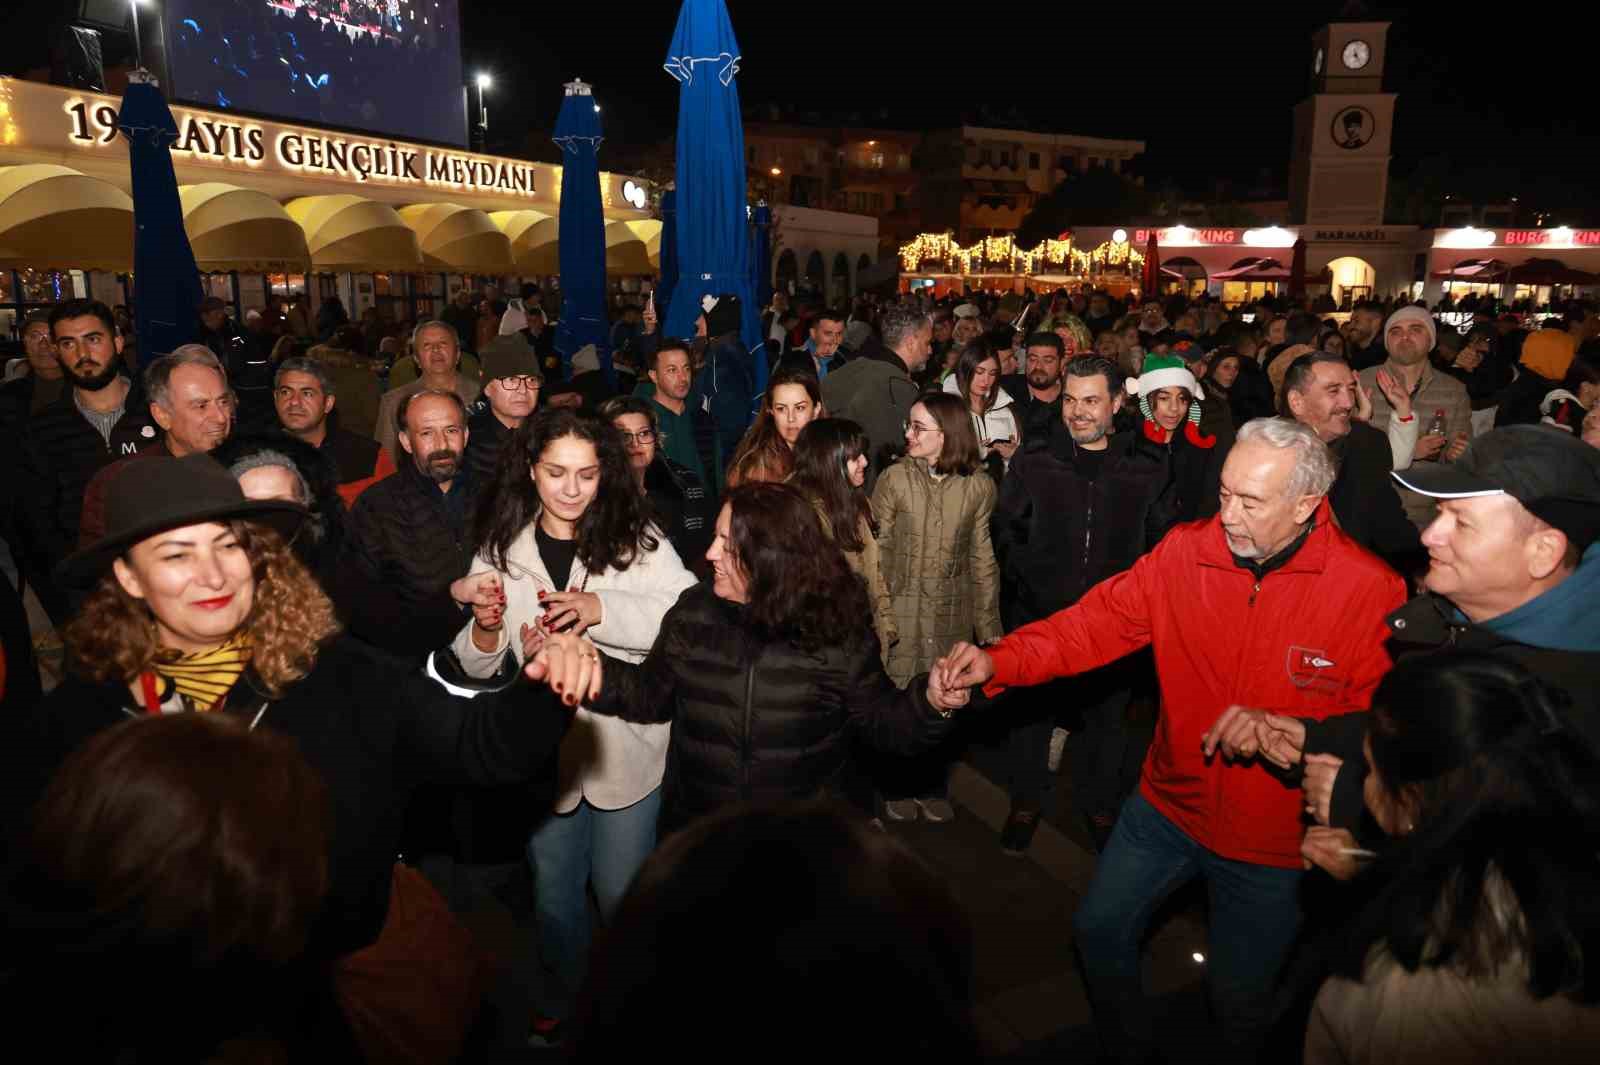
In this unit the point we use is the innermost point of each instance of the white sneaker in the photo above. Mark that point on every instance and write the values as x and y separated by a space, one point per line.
900 809
1058 747
936 810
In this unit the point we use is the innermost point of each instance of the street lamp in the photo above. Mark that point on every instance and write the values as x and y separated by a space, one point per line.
484 81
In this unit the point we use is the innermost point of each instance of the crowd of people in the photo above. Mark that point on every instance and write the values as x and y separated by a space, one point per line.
1301 604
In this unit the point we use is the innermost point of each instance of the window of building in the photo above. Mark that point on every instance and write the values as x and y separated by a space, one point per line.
1067 163
812 155
875 160
1033 160
986 157
902 161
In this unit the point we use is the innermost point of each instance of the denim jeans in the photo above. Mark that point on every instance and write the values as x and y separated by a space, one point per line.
1254 917
566 852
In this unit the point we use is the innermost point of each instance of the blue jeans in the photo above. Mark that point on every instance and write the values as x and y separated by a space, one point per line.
566 852
1255 915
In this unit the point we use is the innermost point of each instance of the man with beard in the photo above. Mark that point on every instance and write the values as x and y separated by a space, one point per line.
409 536
304 398
437 348
102 417
1078 505
1438 401
1364 346
1036 395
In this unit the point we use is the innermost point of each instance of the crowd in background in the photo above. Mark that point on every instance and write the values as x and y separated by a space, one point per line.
1302 602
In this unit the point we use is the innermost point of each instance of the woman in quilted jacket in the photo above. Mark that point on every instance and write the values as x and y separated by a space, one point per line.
933 509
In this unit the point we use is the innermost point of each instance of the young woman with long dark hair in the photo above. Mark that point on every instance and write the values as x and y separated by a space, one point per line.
766 674
994 419
766 453
569 534
1480 938
830 470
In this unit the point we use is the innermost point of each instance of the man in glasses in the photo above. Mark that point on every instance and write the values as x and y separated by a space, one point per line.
511 383
303 396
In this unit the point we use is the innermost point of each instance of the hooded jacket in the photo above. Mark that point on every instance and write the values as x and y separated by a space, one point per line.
999 422
1305 639
877 392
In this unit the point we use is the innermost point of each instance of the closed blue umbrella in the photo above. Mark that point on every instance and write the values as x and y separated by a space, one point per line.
669 253
583 231
761 255
166 280
713 234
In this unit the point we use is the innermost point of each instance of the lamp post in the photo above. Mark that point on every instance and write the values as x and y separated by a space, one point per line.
483 81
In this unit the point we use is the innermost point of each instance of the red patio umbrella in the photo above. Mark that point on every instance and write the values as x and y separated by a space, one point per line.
1297 269
1549 272
1150 283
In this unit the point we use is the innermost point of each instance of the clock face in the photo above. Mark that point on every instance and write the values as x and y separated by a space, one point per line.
1357 55
1316 62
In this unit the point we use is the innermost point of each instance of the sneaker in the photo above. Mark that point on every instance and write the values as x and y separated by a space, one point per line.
936 810
1018 832
1058 747
900 809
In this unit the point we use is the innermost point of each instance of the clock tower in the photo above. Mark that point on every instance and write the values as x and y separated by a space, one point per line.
1339 170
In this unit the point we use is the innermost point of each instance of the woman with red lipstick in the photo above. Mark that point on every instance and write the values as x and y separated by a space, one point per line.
196 603
568 533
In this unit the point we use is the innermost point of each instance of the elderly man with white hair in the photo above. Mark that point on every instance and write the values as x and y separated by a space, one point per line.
1269 604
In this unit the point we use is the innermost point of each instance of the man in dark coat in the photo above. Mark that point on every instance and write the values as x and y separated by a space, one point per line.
511 383
409 536
1320 390
1036 393
1078 504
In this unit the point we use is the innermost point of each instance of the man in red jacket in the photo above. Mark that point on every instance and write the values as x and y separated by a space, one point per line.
1266 605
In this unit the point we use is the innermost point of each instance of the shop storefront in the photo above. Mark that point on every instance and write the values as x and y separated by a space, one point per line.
1539 266
275 209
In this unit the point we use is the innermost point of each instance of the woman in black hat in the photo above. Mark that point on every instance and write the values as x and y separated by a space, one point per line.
195 602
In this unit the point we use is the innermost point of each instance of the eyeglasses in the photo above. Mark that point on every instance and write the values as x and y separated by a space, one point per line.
518 383
643 436
917 429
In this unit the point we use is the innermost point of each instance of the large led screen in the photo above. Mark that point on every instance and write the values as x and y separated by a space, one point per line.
382 66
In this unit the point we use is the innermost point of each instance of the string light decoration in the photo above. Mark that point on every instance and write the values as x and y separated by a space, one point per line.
939 253
1119 254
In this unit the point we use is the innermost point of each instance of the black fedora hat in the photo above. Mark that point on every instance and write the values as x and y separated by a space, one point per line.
150 495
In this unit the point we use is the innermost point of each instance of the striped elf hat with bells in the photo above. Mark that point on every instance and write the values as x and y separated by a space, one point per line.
1169 371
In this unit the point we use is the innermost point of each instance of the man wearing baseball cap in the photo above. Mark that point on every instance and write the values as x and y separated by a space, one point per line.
1514 570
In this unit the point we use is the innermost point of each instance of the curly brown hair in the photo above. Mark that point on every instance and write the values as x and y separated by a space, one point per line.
113 639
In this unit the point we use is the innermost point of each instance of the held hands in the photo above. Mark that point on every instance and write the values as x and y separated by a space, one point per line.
569 664
943 698
965 666
1007 448
484 594
1242 733
581 610
1321 771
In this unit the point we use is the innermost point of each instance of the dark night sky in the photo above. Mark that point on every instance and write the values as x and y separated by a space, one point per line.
1209 88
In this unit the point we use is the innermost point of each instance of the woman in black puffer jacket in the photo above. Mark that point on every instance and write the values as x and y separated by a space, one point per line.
764 674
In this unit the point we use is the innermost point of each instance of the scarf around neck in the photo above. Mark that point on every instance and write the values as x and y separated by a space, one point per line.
206 677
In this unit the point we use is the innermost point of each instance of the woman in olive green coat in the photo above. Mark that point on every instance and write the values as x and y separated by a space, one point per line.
933 509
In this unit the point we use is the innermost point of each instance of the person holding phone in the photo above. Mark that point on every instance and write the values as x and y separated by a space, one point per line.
567 545
994 417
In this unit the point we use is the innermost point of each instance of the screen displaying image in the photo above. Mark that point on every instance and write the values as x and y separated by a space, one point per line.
382 66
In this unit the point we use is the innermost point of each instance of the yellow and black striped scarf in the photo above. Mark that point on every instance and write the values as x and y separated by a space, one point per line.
205 677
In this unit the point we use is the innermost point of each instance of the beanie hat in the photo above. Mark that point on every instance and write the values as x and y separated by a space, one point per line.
722 314
1549 353
509 356
1412 314
1169 371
